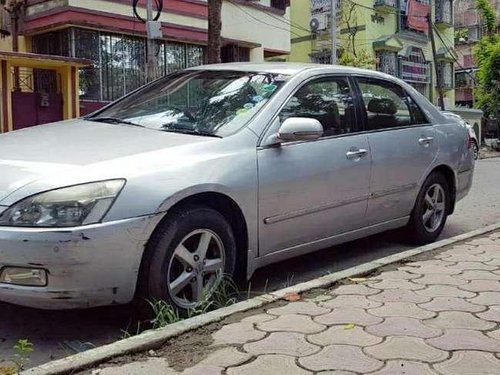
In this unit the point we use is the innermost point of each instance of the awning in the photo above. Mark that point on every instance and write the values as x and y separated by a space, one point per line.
446 55
33 60
388 43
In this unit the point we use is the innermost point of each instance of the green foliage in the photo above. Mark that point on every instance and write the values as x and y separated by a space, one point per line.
488 15
487 55
225 294
488 75
461 34
23 349
362 59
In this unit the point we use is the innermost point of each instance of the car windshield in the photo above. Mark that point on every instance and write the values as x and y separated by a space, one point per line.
212 103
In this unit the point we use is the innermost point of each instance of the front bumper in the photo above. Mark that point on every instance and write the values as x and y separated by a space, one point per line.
87 266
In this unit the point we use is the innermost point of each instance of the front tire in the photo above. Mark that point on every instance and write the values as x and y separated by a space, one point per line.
429 215
186 259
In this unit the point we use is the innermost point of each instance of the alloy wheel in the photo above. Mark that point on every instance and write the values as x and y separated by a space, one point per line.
434 208
195 268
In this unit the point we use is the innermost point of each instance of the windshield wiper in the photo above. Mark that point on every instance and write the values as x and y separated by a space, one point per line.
113 120
192 132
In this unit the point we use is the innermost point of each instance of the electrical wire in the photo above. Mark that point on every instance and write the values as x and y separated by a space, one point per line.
159 9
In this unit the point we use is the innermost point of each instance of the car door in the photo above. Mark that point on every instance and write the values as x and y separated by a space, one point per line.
403 146
309 191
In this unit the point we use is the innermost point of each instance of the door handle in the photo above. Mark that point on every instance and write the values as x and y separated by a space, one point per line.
425 141
356 154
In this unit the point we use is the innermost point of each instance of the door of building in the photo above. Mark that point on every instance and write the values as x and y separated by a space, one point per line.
36 97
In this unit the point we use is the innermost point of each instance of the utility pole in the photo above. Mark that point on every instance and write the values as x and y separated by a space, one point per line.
151 62
439 80
333 31
214 31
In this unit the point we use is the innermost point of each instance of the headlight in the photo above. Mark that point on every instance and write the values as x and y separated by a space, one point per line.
65 207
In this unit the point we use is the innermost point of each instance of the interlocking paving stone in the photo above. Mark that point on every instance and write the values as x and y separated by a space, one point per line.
469 363
354 289
292 323
458 320
480 241
237 333
335 373
460 249
304 308
410 348
451 304
347 316
272 364
493 314
482 286
424 270
259 318
396 284
320 298
152 366
344 335
493 249
287 343
225 357
399 295
494 334
402 275
202 370
341 357
444 291
402 309
464 266
435 278
486 298
401 367
494 262
401 326
351 301
469 258
465 339
430 262
477 275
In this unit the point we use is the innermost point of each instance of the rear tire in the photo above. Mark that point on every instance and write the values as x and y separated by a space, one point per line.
429 215
475 150
185 259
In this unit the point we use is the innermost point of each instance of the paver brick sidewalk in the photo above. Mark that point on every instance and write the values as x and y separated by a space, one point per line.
438 315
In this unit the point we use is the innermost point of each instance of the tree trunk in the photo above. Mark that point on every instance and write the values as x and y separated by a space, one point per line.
214 30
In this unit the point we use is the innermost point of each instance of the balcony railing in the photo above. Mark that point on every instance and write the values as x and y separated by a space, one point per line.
385 6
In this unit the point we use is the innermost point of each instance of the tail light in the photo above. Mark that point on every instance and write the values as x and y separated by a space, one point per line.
470 142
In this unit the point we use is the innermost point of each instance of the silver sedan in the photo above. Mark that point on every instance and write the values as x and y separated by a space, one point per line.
219 170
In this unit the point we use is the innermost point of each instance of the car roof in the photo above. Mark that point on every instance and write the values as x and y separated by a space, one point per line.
287 68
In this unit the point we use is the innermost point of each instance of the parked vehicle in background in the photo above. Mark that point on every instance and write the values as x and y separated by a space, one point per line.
220 169
472 134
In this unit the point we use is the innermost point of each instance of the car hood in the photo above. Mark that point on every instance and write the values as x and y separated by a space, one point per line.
47 150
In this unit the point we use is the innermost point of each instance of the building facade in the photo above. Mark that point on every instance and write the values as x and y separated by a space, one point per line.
468 31
107 33
388 35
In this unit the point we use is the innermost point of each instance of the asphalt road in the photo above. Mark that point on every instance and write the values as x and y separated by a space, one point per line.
60 333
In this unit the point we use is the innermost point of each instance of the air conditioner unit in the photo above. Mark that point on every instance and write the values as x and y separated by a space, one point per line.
319 22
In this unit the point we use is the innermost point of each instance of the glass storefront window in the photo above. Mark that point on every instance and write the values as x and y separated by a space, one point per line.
118 61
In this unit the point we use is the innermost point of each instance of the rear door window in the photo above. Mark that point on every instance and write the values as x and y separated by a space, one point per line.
388 105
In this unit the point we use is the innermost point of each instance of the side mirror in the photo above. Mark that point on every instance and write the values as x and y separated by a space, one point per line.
300 129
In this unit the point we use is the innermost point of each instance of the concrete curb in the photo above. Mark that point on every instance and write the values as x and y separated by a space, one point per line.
154 338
